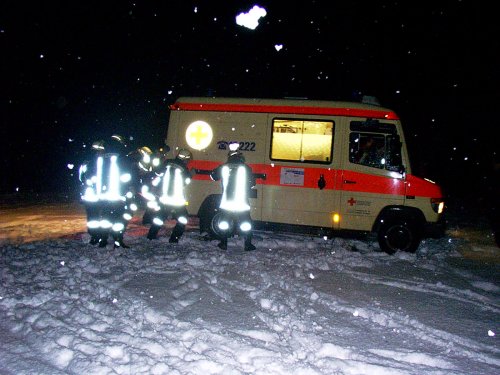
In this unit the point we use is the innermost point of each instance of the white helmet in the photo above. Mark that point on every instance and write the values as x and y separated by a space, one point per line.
184 154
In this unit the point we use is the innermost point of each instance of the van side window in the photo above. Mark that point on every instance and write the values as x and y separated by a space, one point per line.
368 149
302 140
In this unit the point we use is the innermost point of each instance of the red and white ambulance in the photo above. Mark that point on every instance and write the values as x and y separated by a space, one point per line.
328 166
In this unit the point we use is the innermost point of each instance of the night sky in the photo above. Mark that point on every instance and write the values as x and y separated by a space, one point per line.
76 71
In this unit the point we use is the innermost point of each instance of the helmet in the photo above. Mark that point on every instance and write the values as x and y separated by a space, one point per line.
145 157
119 138
234 149
184 154
117 144
98 145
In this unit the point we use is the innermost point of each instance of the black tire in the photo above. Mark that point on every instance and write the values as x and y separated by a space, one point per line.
209 215
398 235
214 230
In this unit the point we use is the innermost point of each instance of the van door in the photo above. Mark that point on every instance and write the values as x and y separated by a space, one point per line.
372 175
301 179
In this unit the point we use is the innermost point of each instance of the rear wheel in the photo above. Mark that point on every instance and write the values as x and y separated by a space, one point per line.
398 234
214 230
210 216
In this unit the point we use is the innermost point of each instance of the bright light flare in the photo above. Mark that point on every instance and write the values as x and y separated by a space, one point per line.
250 20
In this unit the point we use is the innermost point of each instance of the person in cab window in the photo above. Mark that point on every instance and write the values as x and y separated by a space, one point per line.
166 197
371 152
237 180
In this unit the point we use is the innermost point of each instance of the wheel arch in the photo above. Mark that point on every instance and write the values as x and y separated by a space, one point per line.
400 212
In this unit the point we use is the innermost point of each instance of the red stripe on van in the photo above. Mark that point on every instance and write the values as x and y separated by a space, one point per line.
358 182
367 183
284 109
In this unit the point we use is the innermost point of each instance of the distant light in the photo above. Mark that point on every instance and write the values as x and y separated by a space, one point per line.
250 20
42 56
71 166
278 47
336 218
17 189
398 91
196 9
491 333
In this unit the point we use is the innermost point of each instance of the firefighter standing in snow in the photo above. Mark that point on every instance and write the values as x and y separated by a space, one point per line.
165 196
108 192
237 180
149 165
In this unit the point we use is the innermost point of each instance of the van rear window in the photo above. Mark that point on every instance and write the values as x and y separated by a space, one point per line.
302 140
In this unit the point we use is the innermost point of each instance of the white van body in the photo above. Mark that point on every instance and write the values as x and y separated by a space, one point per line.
308 152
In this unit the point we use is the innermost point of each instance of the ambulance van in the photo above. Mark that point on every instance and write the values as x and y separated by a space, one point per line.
324 166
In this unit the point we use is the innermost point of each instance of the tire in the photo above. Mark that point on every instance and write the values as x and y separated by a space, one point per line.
214 230
210 216
398 235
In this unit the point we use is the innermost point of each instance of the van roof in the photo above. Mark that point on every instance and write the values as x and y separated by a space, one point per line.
283 106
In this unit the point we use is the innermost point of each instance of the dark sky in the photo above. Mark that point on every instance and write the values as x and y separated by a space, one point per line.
76 71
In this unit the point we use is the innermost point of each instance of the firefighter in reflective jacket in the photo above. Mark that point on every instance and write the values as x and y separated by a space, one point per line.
237 180
149 166
108 192
165 196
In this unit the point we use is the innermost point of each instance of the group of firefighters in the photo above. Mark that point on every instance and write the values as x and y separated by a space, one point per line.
118 181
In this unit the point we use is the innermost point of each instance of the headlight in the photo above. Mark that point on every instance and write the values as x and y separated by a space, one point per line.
437 205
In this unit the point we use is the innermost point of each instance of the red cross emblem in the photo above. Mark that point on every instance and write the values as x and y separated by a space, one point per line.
351 201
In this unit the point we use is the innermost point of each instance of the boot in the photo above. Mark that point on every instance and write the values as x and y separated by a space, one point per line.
223 244
146 218
153 232
120 243
248 244
176 233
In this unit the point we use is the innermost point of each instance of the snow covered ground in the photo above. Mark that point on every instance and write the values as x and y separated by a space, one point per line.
296 305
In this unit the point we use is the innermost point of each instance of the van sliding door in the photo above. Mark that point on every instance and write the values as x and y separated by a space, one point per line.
300 186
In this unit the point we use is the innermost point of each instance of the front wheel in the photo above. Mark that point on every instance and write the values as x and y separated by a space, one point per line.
398 234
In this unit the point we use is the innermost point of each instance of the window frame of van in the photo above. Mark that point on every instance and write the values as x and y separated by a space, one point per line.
303 120
374 128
